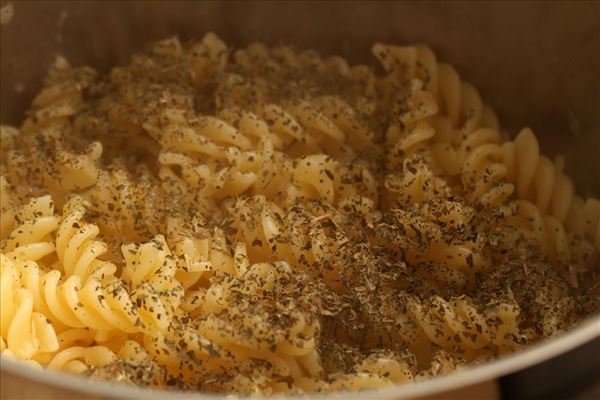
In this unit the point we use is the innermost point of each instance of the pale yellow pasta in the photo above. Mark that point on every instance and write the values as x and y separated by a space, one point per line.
207 58
345 119
24 332
103 302
7 207
201 252
149 263
421 236
6 354
462 319
296 237
537 180
212 180
31 240
76 337
407 141
262 236
458 101
73 166
416 183
76 248
78 359
482 170
304 126
222 328
265 220
98 305
116 205
380 374
286 128
313 177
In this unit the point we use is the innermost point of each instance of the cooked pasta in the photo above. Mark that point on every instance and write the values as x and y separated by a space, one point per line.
264 220
25 333
31 239
60 165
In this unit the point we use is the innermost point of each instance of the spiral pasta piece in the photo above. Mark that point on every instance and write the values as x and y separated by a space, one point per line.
546 197
76 248
212 181
320 176
256 59
201 253
296 236
318 122
413 109
103 302
247 339
62 96
31 238
416 182
79 359
149 263
483 171
128 206
560 245
25 333
428 239
457 325
458 101
537 179
462 319
60 165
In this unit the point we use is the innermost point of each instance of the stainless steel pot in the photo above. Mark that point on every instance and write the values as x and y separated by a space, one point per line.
536 63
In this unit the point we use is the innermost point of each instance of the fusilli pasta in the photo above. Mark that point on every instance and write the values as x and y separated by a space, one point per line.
265 220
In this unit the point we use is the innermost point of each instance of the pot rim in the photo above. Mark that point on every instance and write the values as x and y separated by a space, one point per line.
586 331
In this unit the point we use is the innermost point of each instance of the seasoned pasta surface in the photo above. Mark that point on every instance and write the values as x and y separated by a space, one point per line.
265 220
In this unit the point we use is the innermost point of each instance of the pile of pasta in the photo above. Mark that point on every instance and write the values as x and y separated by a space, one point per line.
265 220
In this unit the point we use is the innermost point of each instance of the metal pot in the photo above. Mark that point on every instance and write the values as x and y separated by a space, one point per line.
536 63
